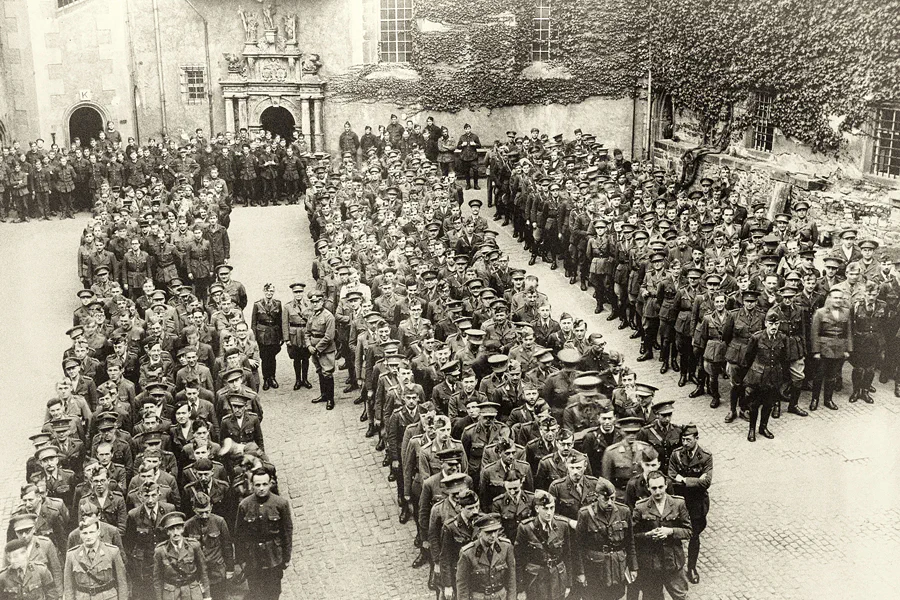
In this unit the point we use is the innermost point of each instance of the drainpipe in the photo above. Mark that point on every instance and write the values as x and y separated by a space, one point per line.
132 74
159 68
209 101
649 148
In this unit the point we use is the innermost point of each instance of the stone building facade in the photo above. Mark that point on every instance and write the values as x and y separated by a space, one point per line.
171 66
844 190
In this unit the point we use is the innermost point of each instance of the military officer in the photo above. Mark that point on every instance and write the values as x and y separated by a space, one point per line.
690 469
662 434
267 326
179 565
622 460
24 579
765 361
487 566
456 533
214 537
543 550
605 560
94 569
320 343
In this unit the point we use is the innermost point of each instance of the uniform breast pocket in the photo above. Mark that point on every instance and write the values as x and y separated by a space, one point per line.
617 531
274 523
477 450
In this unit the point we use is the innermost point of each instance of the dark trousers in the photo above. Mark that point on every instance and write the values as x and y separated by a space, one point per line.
268 191
762 399
267 354
469 169
698 524
248 190
300 357
651 584
43 204
65 204
828 370
264 584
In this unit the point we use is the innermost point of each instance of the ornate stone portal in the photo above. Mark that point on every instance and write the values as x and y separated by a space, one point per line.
272 72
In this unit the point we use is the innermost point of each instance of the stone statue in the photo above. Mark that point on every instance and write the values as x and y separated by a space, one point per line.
269 17
235 63
311 64
290 28
249 20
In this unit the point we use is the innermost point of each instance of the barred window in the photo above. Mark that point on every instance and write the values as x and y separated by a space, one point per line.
193 84
543 38
763 130
65 3
395 42
886 149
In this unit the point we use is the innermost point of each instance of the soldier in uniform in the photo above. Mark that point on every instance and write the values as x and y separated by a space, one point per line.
691 469
293 323
543 547
486 569
263 537
212 533
622 460
832 343
23 578
661 522
94 569
456 533
662 434
142 534
179 565
321 346
746 321
765 360
266 323
37 547
605 560
867 324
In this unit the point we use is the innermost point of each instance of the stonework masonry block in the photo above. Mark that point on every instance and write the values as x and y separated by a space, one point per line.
51 40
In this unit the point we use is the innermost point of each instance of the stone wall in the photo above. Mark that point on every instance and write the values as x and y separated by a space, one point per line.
836 201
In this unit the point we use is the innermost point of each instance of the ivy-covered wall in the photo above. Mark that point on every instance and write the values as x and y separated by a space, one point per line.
477 54
825 62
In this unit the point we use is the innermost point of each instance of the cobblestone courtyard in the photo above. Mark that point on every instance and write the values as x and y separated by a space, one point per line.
813 513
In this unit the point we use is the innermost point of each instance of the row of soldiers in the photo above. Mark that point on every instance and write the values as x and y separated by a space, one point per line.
256 168
527 455
149 477
661 257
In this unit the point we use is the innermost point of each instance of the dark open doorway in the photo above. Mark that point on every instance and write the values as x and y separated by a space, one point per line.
85 123
278 119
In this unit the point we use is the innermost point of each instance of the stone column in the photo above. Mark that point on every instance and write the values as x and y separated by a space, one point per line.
306 122
229 115
243 114
318 115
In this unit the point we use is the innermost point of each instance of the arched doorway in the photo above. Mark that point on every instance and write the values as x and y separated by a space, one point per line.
278 119
85 123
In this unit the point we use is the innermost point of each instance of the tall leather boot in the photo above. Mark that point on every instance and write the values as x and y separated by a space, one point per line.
764 422
855 376
754 414
868 378
701 386
733 403
614 307
304 371
584 283
664 352
329 404
553 265
322 391
714 392
298 376
646 350
828 393
776 409
793 407
533 258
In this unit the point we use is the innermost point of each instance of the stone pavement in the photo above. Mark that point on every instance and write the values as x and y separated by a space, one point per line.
810 514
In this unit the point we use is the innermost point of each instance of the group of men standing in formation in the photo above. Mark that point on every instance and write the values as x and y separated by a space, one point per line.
525 451
149 477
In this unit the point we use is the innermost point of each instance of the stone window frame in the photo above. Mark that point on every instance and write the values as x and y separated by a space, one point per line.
193 90
761 135
394 31
882 152
543 34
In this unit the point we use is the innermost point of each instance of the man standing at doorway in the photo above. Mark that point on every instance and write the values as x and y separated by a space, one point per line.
468 146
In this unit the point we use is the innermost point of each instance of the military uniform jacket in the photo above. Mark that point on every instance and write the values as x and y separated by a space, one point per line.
215 542
664 441
604 545
247 430
491 480
478 574
697 470
794 327
711 336
868 325
320 332
569 498
667 554
179 573
266 322
97 576
456 533
552 467
293 323
737 333
475 438
543 556
263 533
766 359
34 582
142 534
620 462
